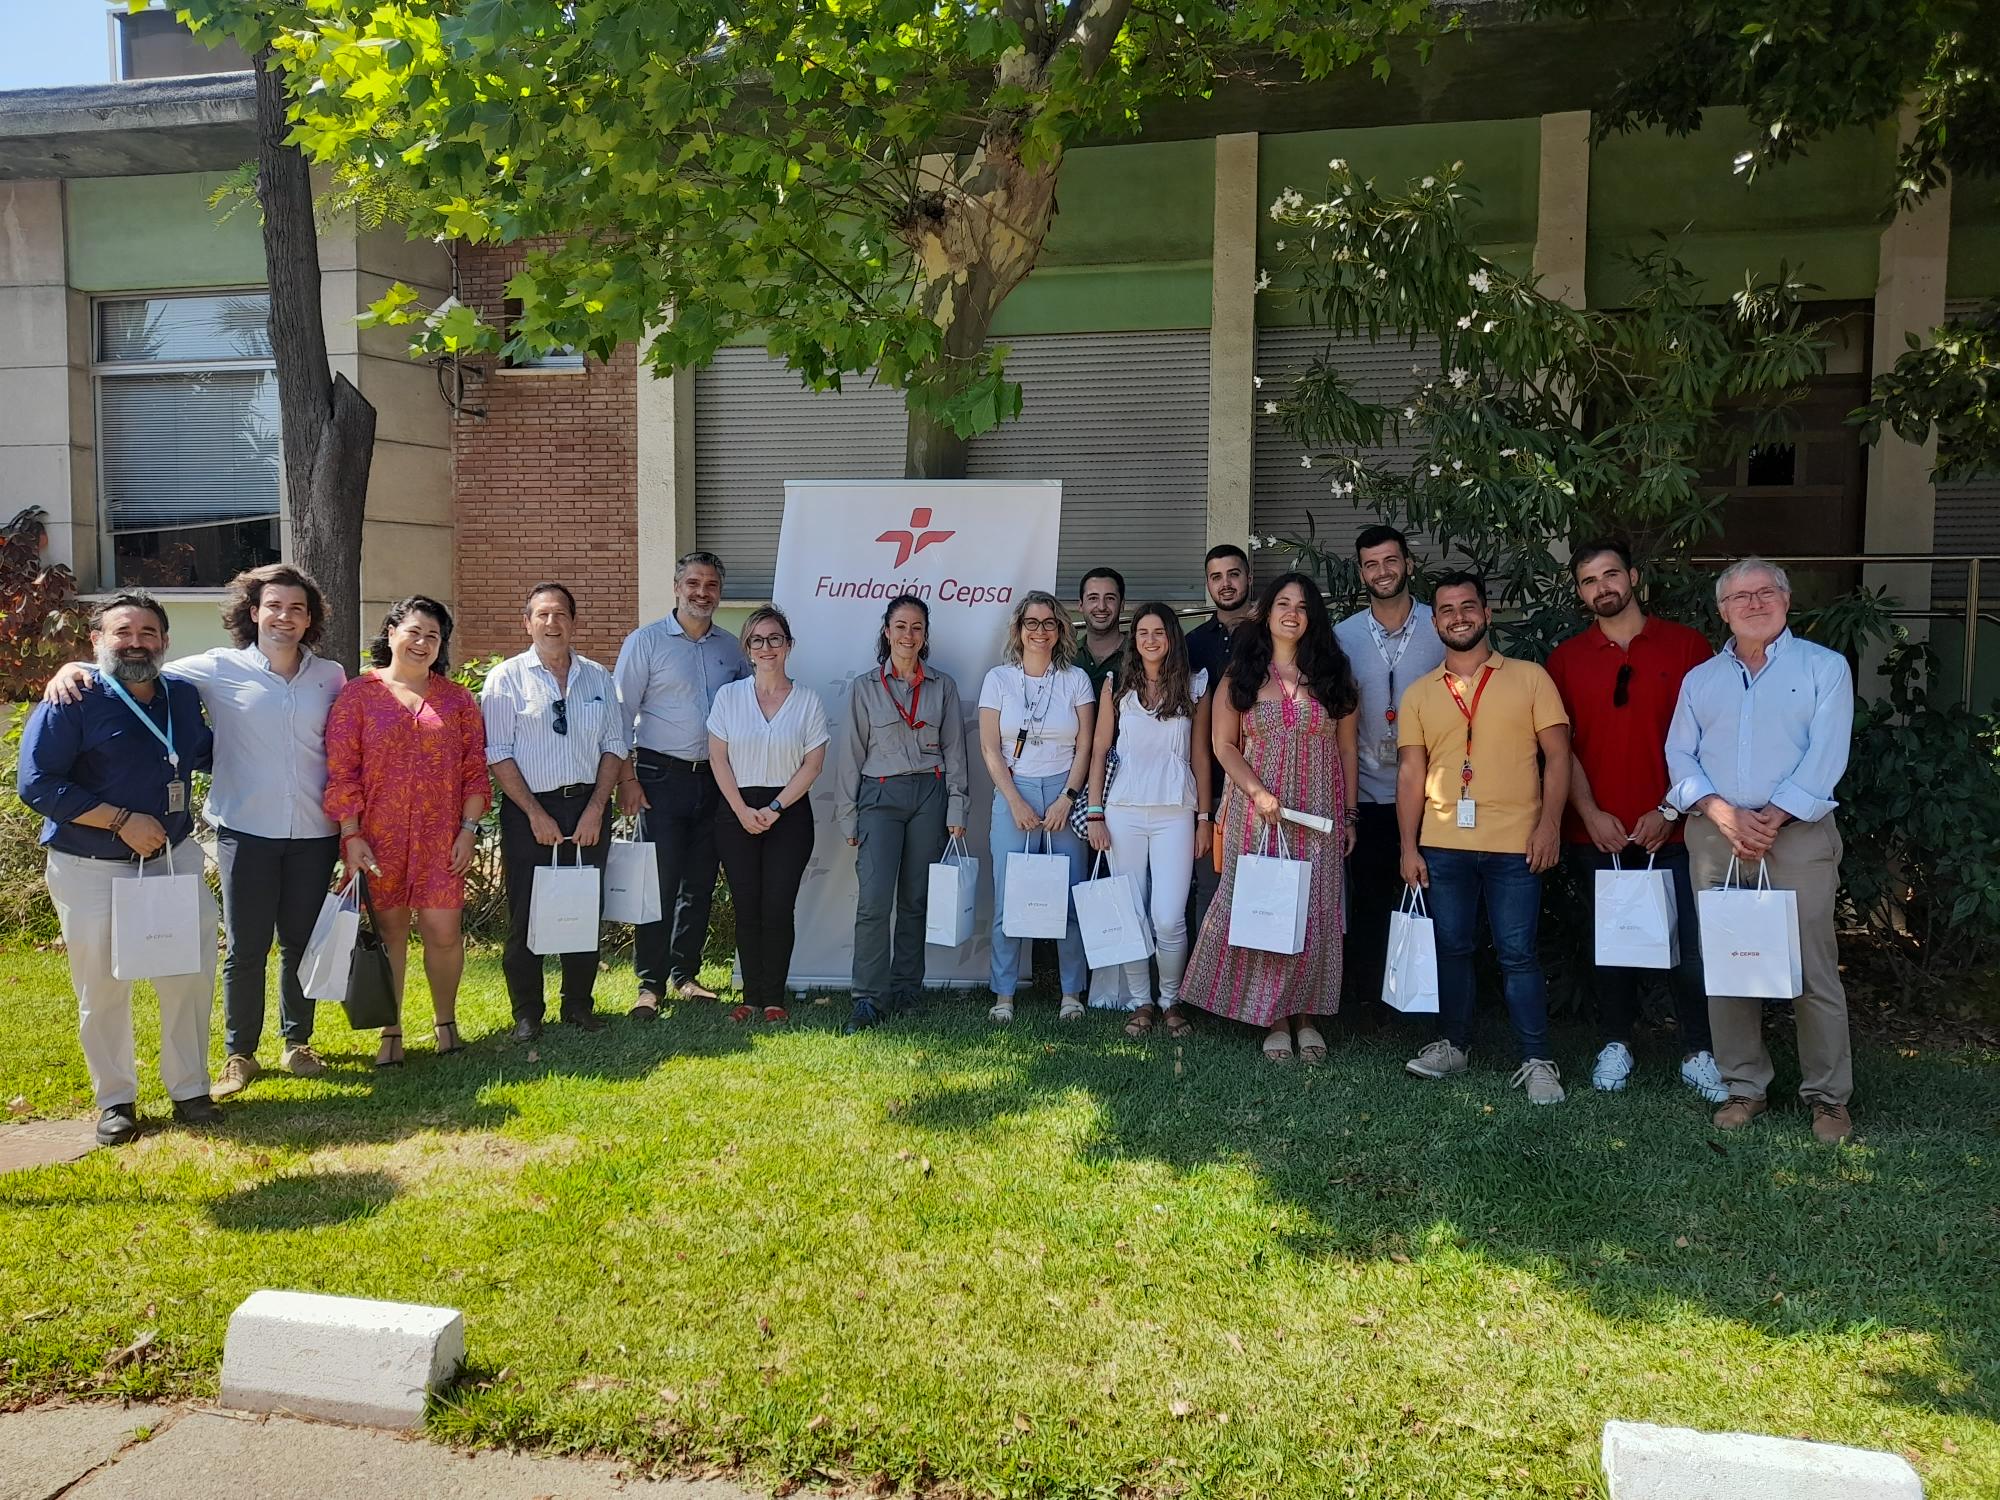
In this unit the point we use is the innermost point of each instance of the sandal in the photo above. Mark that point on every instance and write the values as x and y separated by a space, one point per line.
1278 1047
1312 1047
1002 1013
741 1014
1179 1027
1072 1008
776 1013
438 1029
1142 1020
390 1053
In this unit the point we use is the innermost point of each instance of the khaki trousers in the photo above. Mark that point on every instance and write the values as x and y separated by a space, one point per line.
1805 859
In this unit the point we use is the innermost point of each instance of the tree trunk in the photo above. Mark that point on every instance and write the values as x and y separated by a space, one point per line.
976 239
327 427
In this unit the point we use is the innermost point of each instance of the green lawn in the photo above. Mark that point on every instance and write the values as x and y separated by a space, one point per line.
1043 1261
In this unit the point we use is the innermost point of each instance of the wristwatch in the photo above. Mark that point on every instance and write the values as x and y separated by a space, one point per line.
776 806
1072 792
1668 811
469 825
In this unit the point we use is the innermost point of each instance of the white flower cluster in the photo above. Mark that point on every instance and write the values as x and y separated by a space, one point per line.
1290 201
1479 281
1270 408
1458 375
1341 489
1263 281
1259 542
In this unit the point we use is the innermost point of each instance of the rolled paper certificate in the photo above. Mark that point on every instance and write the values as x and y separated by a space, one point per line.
1307 820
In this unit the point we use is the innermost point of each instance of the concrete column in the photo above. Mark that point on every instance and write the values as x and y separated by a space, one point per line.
1232 340
1901 502
1562 219
666 521
48 442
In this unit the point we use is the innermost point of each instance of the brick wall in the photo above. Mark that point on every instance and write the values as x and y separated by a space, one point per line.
545 487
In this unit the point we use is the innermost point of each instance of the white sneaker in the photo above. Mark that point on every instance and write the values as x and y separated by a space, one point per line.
1539 1075
1437 1059
1613 1068
1702 1075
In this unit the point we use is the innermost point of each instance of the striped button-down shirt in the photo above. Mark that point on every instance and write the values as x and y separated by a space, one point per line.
518 704
667 680
1775 738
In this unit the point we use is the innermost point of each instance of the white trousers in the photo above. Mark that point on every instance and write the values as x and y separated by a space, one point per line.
1156 846
81 890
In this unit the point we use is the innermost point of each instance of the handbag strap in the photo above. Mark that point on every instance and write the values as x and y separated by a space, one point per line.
368 903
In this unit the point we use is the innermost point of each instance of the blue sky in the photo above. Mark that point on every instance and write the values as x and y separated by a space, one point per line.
53 41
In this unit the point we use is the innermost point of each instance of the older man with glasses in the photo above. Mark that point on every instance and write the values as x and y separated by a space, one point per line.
555 741
668 674
1758 743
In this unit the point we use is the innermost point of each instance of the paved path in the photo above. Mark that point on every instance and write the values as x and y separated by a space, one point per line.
41 1143
110 1451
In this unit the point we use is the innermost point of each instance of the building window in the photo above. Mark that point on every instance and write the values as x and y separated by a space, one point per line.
568 357
187 438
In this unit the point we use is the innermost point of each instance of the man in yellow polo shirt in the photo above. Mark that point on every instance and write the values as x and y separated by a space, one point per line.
1482 773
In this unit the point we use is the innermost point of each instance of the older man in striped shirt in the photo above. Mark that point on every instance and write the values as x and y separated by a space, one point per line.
555 741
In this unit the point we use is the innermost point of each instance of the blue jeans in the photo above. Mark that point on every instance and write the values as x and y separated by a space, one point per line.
1513 895
1038 793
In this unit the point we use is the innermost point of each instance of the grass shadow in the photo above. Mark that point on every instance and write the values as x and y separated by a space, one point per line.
305 1200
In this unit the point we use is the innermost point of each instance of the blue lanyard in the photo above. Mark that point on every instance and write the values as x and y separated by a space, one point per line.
145 718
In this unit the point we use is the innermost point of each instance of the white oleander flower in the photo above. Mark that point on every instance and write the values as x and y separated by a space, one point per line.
1256 543
1306 461
1263 281
1409 414
1429 182
1281 244
1270 408
1742 161
1490 325
1479 281
1435 471
1257 382
1458 376
1457 464
1338 164
1465 322
1508 452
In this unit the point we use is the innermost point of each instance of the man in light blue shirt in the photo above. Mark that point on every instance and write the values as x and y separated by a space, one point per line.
1390 644
1758 742
667 675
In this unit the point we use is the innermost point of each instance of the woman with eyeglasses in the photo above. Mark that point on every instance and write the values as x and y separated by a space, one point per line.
406 778
900 788
1036 714
767 743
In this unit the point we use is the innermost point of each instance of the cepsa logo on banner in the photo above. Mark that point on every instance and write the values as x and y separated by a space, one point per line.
908 543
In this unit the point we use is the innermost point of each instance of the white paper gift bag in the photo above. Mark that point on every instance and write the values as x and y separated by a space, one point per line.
1037 895
1112 918
954 891
1750 939
1637 921
1268 907
562 911
156 925
1410 976
323 966
632 881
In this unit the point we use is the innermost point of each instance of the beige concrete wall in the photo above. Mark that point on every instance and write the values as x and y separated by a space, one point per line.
1562 222
48 440
666 485
1232 346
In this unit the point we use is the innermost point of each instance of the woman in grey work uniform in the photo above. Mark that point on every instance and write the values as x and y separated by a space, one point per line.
901 787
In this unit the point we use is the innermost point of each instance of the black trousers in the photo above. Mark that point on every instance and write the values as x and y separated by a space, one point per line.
519 855
680 825
268 886
764 871
1374 886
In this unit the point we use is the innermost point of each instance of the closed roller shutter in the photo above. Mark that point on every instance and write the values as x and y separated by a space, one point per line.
1120 418
1282 491
1968 518
755 426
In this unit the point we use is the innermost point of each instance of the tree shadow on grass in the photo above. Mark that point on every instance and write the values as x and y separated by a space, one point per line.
1631 1202
303 1200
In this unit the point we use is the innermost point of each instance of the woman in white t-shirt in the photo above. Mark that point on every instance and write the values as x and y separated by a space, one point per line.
1155 817
766 743
1035 724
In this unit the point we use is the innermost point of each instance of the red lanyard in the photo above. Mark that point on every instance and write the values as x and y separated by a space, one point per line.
916 697
1465 773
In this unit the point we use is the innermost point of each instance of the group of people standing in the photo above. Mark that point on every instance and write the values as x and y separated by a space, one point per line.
1172 756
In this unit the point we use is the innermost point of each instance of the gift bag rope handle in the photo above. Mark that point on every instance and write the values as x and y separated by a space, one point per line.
1730 882
1413 902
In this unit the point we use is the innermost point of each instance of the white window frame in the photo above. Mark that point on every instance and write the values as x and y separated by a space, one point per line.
102 370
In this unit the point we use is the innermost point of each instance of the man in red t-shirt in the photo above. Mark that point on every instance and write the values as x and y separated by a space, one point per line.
1620 677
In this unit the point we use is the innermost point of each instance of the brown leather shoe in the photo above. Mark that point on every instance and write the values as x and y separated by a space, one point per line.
1738 1113
1832 1124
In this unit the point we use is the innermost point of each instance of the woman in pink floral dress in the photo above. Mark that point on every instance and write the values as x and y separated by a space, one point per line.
1284 732
406 777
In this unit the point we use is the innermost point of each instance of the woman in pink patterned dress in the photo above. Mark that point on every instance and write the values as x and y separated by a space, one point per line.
406 777
1284 732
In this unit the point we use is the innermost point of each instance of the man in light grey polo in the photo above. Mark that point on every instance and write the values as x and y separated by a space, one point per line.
667 675
1390 644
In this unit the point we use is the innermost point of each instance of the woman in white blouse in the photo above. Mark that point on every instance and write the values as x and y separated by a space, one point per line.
1035 718
766 743
1155 817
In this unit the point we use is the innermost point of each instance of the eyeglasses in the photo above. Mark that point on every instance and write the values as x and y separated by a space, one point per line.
1747 596
765 642
1040 626
561 725
1622 686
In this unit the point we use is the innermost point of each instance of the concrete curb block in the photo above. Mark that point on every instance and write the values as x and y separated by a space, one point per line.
343 1359
1644 1462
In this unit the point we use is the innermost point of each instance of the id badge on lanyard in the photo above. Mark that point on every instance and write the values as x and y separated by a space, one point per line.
177 790
1468 812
